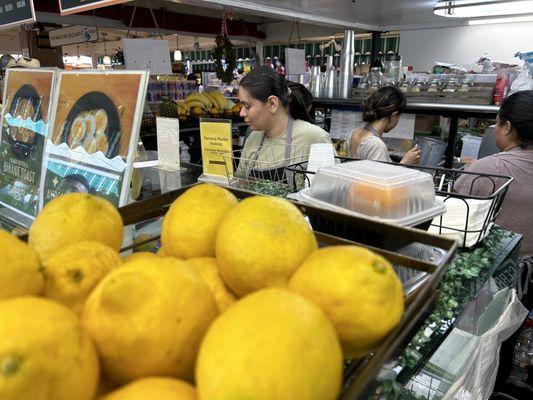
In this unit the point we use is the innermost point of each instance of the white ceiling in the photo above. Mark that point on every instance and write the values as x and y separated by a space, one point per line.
358 14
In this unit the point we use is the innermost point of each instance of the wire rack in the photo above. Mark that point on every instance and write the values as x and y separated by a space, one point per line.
263 169
444 180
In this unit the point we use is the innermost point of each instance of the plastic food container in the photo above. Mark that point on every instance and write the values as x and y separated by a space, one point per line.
391 193
470 146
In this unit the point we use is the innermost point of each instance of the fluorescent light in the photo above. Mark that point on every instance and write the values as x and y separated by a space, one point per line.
482 8
507 20
177 55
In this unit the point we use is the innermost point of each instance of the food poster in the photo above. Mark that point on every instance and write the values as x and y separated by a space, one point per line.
92 145
25 125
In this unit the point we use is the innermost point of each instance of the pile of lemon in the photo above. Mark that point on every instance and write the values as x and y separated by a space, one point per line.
239 303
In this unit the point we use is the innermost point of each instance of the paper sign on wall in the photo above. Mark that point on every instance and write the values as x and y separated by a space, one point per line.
168 142
405 128
215 136
343 122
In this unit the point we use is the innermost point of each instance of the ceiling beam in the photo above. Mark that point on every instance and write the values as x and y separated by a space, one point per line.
168 21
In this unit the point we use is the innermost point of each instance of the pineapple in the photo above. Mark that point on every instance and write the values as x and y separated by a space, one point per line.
168 108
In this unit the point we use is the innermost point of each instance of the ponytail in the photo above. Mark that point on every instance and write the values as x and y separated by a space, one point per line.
300 102
263 82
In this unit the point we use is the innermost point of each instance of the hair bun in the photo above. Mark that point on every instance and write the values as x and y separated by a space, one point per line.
369 115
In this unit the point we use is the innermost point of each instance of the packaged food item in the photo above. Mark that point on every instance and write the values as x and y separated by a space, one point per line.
393 193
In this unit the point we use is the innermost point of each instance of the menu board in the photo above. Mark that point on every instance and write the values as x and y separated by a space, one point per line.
92 145
25 125
74 6
16 12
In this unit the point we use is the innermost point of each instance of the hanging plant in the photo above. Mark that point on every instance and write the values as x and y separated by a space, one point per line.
224 51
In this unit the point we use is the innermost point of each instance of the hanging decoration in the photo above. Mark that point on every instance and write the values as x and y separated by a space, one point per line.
224 51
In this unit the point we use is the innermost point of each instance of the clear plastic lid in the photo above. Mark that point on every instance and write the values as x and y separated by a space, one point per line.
374 189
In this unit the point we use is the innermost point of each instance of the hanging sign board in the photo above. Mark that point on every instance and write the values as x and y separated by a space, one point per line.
73 34
147 54
67 7
215 137
16 12
294 61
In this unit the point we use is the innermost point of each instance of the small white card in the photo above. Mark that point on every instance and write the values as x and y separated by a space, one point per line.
320 155
168 142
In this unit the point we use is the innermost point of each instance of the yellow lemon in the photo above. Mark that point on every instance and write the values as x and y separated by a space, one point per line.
359 292
72 272
19 268
208 270
272 344
148 317
44 353
161 251
154 388
73 218
191 223
261 243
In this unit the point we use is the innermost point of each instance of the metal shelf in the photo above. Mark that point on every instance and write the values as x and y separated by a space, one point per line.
452 111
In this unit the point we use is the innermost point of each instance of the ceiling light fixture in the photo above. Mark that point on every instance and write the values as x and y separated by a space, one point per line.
506 20
478 8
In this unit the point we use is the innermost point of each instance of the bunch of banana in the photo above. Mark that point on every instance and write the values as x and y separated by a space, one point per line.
212 102
200 100
183 109
219 101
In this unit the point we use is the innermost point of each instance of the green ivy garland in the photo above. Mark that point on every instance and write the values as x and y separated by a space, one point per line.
224 51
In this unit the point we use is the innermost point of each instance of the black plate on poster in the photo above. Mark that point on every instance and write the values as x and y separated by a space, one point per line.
21 149
94 101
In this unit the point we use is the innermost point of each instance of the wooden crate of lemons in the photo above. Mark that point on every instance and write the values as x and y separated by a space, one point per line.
239 303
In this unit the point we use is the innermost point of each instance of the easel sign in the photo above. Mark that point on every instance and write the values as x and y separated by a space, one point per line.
217 150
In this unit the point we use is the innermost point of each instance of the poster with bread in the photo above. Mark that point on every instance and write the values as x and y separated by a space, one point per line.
93 142
25 124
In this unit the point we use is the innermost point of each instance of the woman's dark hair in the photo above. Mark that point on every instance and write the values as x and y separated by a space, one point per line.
517 109
304 97
263 82
383 103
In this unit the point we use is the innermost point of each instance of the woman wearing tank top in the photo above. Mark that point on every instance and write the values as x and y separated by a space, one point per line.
381 112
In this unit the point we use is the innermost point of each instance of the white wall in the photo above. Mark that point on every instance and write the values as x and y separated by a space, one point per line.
461 45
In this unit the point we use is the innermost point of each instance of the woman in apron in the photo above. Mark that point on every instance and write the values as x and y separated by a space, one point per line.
282 132
381 113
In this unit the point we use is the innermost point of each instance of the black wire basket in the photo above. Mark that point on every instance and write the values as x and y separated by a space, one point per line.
444 180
